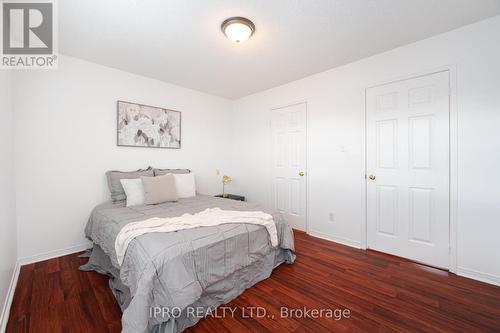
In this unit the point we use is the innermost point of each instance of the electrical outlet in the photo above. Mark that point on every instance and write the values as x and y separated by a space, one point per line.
331 217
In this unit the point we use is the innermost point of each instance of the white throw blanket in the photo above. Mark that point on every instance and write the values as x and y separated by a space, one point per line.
207 218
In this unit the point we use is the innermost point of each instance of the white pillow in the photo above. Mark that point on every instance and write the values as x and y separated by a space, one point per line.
184 182
134 190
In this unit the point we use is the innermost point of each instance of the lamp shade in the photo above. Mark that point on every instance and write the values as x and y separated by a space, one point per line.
238 29
226 179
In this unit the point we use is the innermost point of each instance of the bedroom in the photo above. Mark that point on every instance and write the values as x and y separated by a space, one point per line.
335 79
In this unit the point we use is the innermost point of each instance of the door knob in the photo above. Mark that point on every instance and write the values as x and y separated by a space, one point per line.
371 177
301 174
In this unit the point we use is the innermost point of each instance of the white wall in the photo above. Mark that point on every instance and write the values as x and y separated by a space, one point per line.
336 121
66 140
8 249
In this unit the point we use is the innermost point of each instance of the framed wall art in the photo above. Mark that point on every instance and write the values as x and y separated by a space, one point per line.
148 126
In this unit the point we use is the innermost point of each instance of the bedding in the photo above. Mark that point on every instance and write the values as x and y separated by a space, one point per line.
161 172
198 268
159 189
134 191
185 184
115 186
207 218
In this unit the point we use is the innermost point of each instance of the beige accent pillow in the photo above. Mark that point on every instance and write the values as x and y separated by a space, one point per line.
159 189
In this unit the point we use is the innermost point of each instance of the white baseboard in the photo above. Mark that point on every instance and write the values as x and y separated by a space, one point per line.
4 318
336 239
53 254
477 275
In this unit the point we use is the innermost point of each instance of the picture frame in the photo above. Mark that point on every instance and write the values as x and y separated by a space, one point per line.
146 126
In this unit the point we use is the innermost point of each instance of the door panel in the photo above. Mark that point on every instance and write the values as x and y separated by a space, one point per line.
407 125
420 142
280 194
288 127
387 210
421 202
386 143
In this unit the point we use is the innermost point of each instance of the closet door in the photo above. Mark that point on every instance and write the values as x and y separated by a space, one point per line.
408 168
289 180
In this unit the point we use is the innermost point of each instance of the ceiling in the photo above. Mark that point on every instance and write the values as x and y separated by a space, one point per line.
179 41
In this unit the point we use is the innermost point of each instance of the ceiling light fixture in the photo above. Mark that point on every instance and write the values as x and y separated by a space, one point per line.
238 29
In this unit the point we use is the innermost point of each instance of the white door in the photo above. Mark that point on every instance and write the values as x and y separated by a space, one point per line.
407 125
288 126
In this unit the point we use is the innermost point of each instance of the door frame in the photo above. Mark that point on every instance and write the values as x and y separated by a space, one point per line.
453 172
271 166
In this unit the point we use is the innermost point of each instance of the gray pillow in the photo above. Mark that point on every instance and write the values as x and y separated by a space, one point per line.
159 189
160 172
115 186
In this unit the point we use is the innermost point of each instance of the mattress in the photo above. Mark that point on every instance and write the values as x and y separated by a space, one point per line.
167 278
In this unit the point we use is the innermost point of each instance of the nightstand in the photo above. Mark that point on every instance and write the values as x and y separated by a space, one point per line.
232 197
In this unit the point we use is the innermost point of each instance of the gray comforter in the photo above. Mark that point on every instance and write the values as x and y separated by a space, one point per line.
168 280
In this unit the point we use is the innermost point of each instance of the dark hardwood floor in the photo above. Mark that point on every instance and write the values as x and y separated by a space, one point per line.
383 293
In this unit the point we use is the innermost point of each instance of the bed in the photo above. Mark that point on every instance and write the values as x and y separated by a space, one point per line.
167 281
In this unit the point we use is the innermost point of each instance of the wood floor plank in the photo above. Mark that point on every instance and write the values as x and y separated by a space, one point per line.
383 294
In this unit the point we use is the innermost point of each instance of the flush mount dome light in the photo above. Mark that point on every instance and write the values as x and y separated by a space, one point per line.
238 29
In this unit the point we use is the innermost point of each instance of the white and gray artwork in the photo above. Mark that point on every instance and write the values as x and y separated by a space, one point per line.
148 126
